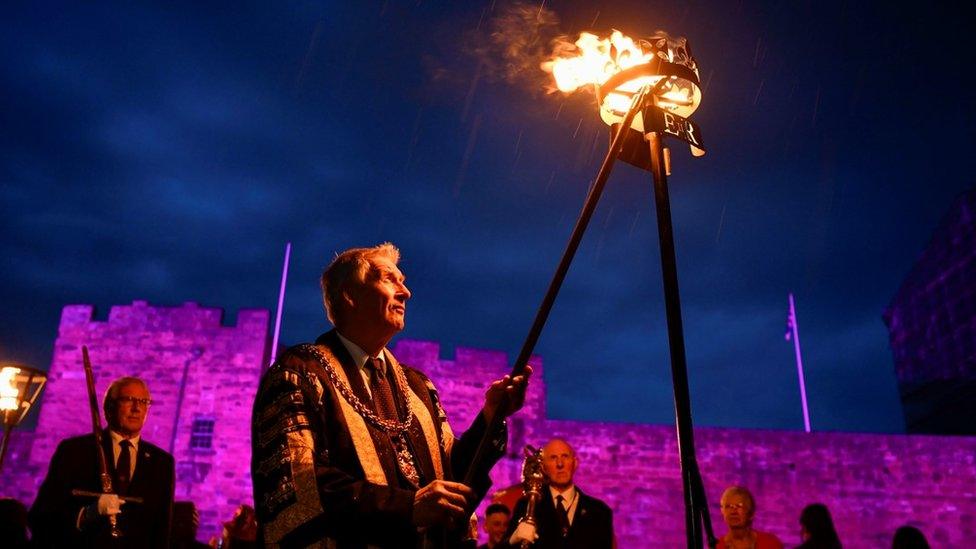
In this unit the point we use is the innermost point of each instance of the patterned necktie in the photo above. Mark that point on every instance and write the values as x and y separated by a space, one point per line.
563 515
383 401
123 467
386 408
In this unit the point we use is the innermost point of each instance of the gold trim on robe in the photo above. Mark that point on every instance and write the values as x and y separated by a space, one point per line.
308 504
422 414
359 433
369 459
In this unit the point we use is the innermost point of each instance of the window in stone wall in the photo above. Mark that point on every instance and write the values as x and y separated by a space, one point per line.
201 438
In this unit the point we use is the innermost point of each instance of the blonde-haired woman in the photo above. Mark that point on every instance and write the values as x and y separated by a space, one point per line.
738 509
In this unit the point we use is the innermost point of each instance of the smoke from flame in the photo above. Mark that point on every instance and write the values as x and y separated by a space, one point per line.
512 43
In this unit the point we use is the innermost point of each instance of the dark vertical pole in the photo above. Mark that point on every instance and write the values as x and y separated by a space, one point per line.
3 443
542 314
676 342
195 353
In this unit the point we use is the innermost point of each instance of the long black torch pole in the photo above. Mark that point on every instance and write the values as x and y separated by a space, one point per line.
589 206
694 493
3 443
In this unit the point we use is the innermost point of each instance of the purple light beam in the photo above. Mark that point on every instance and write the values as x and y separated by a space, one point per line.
795 328
281 302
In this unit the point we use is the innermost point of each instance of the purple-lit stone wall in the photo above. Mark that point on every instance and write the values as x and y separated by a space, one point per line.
16 479
461 384
932 318
932 325
196 369
872 483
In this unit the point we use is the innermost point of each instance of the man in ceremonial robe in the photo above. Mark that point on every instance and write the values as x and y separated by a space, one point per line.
352 449
138 468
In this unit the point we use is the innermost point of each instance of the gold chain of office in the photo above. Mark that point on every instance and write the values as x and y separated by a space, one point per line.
385 425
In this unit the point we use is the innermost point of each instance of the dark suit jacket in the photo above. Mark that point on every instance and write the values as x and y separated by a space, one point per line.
54 515
309 483
592 526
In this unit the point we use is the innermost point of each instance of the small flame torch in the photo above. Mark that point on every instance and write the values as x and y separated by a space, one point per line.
19 388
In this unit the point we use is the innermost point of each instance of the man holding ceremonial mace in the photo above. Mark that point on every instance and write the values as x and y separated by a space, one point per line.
565 518
92 476
352 448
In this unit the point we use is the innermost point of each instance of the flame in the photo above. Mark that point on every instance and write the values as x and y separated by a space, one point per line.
8 391
596 61
592 61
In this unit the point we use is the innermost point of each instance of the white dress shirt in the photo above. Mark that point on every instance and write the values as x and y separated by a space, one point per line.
570 501
359 357
117 451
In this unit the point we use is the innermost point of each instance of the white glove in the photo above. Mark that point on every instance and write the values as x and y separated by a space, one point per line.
523 532
108 504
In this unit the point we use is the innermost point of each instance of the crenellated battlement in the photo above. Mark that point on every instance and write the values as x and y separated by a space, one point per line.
201 373
203 376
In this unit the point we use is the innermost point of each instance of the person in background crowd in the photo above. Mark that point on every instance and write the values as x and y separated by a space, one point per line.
739 509
139 469
817 528
240 532
496 523
186 522
13 523
909 537
566 518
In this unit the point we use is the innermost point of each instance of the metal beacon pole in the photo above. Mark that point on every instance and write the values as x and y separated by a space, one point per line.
645 89
672 75
660 73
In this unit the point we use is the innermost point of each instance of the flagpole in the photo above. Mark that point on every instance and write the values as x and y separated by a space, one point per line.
795 332
281 302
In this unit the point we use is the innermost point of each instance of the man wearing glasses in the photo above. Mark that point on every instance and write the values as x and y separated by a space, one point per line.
739 509
142 479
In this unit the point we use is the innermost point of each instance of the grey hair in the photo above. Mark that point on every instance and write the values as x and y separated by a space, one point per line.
112 393
741 491
564 441
354 262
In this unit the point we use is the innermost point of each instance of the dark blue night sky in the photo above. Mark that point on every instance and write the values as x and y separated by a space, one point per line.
168 153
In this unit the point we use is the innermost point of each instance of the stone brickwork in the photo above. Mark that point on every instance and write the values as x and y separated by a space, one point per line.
872 483
461 384
932 325
197 370
16 479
